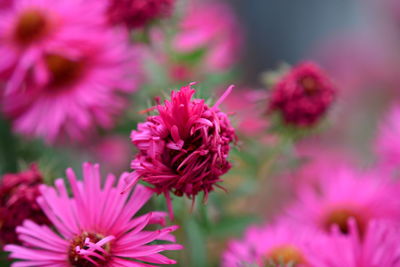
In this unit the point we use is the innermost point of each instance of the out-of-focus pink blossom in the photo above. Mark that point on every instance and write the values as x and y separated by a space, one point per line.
303 95
30 27
210 27
388 143
74 87
346 193
279 244
18 193
137 13
94 227
183 149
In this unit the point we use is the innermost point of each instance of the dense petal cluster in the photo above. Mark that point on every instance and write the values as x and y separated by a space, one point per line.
18 193
281 244
183 149
303 95
137 13
211 27
95 227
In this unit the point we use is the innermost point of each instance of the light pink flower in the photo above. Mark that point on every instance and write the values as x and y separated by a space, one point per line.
346 193
30 26
388 143
281 244
210 26
74 87
95 227
379 246
184 149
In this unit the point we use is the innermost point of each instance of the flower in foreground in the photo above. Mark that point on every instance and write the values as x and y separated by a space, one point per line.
94 227
137 13
183 149
346 194
281 244
18 193
302 96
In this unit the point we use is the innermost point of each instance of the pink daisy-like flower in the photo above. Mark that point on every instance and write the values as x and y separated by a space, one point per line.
303 95
184 149
281 244
75 87
379 246
29 26
95 227
344 194
18 193
387 143
210 26
137 13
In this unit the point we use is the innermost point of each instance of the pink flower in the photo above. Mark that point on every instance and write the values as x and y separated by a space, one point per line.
95 227
281 244
31 26
379 247
137 13
210 26
387 143
74 87
18 193
303 95
184 149
346 193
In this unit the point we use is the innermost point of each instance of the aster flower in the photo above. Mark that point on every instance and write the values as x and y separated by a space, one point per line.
211 27
94 227
30 26
184 148
137 13
379 247
344 194
18 193
387 144
81 86
303 95
281 244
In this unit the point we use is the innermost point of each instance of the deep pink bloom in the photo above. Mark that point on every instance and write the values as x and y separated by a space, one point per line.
387 143
210 26
18 193
75 87
184 149
379 247
281 244
31 26
137 13
303 95
346 193
95 227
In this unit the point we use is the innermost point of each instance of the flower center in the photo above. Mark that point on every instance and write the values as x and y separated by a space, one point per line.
309 84
31 26
63 71
89 250
286 254
340 217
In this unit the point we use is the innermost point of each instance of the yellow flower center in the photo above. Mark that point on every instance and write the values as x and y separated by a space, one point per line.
31 26
286 254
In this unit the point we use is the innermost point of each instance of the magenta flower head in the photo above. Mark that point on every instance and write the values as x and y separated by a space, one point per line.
18 193
281 244
347 194
303 95
94 227
183 149
137 13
